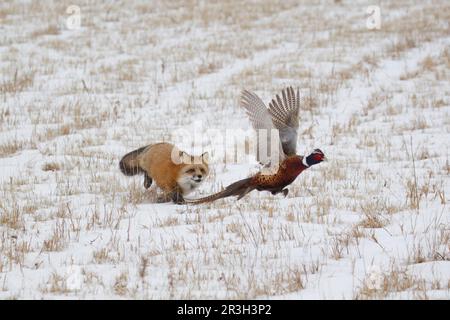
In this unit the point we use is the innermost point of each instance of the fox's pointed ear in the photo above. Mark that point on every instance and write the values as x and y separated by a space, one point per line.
185 158
205 157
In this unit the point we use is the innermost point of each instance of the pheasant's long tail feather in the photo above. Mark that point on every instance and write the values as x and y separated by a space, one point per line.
239 188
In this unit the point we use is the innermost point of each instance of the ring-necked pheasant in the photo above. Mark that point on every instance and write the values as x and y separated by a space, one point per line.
282 115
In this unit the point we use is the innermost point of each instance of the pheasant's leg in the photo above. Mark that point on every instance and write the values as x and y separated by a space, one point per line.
283 191
147 181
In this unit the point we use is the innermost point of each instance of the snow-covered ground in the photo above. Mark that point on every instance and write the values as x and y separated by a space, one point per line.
372 222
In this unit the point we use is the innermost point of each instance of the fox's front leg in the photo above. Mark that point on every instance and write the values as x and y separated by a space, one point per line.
177 197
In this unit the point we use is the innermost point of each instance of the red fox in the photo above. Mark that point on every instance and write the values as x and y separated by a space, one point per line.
158 162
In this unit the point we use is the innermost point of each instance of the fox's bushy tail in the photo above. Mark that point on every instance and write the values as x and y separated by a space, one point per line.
239 188
129 164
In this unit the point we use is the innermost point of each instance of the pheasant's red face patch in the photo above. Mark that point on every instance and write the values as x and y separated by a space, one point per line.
318 155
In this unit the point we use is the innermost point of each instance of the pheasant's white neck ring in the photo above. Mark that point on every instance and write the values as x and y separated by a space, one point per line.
304 162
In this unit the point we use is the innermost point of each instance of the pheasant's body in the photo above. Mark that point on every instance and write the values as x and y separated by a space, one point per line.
287 172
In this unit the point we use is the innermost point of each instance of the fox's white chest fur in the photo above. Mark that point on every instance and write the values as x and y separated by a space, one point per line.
187 184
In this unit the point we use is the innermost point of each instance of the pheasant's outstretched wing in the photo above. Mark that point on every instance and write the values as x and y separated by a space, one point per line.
284 114
262 122
256 110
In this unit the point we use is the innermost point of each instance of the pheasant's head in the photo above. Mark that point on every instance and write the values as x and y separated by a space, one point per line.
315 157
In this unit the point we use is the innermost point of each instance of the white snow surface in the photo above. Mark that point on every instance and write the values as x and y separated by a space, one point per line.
370 223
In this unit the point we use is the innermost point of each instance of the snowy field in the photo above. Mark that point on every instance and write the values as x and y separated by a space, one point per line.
371 223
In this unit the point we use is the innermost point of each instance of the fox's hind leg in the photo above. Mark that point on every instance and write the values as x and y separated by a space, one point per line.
147 181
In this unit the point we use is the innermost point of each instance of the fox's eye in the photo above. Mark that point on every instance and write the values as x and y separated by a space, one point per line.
202 171
190 171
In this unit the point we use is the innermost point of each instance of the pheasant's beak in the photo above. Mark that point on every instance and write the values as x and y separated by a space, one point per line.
325 158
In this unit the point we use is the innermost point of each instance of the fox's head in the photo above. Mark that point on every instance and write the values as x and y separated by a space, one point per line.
193 171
